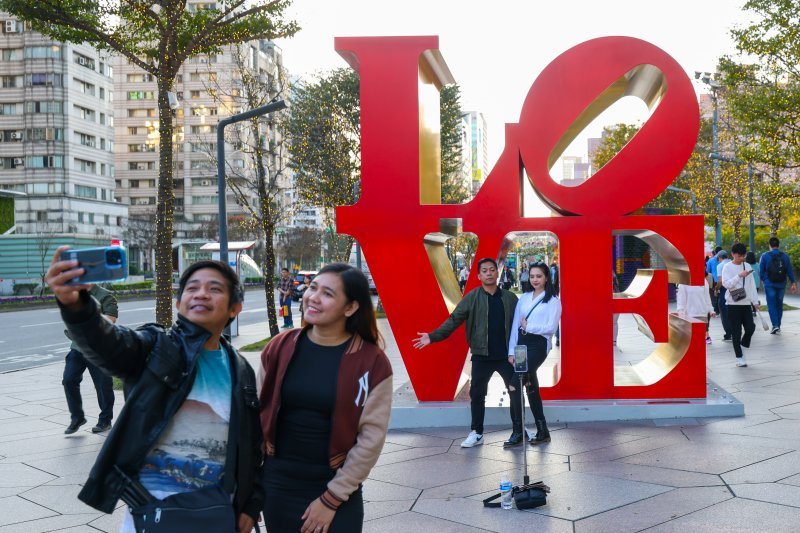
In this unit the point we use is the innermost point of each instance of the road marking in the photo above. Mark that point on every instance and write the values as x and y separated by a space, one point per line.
259 310
42 324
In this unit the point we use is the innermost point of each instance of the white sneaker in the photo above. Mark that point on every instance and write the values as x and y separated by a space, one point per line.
530 434
473 439
740 361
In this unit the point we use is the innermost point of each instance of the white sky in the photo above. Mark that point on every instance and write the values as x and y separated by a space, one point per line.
496 49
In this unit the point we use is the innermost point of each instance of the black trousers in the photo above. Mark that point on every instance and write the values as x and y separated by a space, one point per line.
739 316
723 312
537 353
482 371
291 486
74 368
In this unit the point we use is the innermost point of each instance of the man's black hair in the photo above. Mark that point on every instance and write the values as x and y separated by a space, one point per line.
739 249
234 285
774 242
486 260
717 250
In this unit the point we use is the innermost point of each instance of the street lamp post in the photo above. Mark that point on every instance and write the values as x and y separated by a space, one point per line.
223 216
714 85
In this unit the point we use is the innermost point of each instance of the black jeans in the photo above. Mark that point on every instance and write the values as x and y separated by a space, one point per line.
482 371
723 312
75 365
537 353
738 316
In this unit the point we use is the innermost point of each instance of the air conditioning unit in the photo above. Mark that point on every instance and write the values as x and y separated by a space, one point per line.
18 161
11 26
205 183
16 135
81 60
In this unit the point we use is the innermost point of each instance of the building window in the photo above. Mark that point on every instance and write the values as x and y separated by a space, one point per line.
204 200
83 61
43 52
45 134
86 139
45 161
83 191
203 147
202 164
141 95
141 165
137 148
12 54
86 166
203 129
84 87
80 217
142 113
53 106
43 79
10 82
139 78
84 113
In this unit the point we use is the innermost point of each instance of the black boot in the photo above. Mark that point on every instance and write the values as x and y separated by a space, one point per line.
542 434
515 439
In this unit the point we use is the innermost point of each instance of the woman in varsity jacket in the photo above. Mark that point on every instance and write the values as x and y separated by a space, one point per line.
325 393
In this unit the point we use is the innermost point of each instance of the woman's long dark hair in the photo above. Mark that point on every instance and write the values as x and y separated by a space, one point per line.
549 291
356 289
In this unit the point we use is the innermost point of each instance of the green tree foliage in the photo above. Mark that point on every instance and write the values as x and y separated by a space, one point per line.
454 190
324 134
763 97
158 36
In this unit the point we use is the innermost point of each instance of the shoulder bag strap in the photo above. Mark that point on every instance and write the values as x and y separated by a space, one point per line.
489 502
534 307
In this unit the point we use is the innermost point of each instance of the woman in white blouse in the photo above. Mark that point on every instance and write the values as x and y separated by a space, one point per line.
536 320
739 275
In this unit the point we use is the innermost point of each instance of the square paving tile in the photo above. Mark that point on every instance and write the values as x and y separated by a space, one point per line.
770 493
62 499
408 454
768 471
14 510
653 511
19 475
378 491
411 521
648 474
723 457
736 514
573 441
473 513
54 523
575 495
436 470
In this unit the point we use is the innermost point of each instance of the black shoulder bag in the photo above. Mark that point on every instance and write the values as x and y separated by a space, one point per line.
525 496
739 293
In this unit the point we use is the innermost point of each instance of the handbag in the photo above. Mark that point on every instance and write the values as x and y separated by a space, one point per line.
284 310
527 496
738 294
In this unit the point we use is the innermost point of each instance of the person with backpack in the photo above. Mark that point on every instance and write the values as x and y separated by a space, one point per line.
774 268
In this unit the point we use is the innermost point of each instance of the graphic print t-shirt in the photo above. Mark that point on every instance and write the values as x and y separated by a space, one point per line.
190 453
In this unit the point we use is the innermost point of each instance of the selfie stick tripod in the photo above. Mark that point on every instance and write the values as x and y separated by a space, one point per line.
525 480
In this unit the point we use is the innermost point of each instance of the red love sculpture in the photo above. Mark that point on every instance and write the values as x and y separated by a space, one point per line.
396 212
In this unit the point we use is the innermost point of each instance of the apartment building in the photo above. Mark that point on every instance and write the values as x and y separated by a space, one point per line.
57 136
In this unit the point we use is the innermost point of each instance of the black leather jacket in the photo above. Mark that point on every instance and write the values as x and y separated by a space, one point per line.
158 368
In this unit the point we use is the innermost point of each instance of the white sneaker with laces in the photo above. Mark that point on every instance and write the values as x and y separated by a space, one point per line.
473 439
740 361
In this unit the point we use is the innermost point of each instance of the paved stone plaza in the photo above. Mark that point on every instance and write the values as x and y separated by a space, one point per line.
737 474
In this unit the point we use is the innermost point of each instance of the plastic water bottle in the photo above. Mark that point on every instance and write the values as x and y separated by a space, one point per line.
505 494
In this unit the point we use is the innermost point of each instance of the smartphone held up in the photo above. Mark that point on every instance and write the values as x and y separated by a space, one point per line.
101 265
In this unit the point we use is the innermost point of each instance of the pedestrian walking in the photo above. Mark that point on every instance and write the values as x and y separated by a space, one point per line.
186 450
722 305
463 276
524 285
285 298
536 318
326 396
76 364
711 268
695 302
488 311
740 298
506 278
775 268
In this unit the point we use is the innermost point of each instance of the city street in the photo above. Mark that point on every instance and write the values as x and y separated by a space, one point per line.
36 337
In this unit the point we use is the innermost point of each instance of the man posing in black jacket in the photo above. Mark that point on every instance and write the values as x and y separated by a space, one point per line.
190 395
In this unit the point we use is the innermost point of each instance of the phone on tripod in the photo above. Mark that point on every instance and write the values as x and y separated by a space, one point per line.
520 358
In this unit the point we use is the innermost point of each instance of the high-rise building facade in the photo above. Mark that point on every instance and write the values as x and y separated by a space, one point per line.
480 148
208 88
57 136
